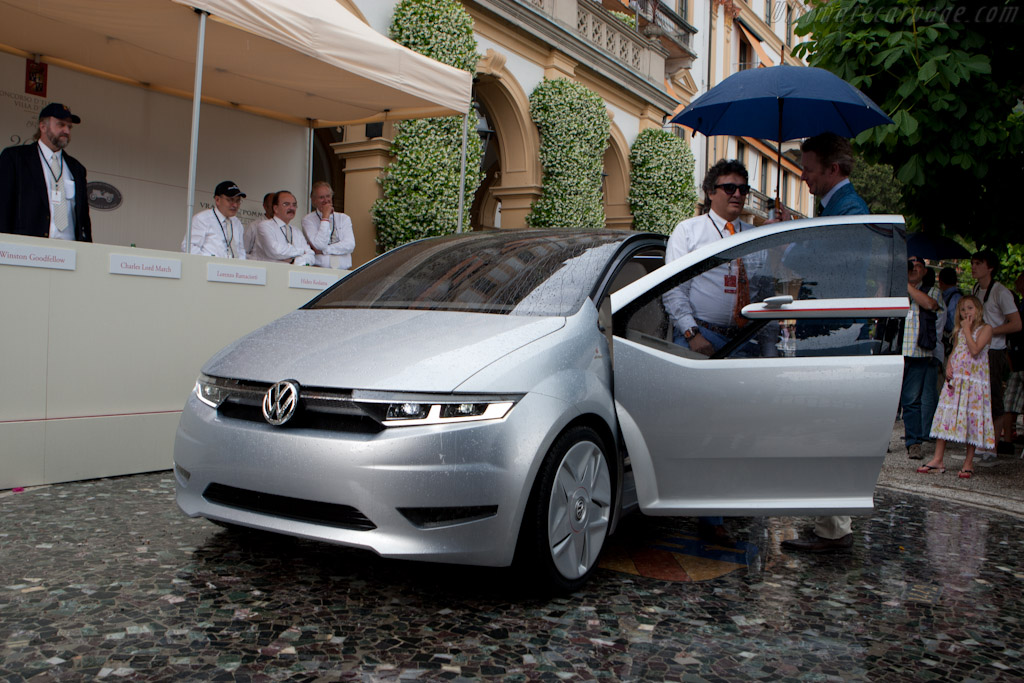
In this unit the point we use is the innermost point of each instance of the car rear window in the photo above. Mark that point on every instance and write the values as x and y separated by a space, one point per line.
540 274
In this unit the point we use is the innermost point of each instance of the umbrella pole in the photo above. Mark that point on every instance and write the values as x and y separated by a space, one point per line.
462 171
193 151
778 177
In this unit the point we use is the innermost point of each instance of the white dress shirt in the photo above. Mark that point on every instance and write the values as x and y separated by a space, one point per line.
68 182
331 237
705 295
214 234
249 236
278 241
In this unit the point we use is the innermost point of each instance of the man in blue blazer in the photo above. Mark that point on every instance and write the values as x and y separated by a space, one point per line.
42 188
827 161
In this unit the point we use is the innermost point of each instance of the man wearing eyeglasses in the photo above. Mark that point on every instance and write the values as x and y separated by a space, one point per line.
703 309
217 231
277 239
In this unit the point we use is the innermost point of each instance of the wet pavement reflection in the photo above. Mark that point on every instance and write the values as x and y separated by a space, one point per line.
107 580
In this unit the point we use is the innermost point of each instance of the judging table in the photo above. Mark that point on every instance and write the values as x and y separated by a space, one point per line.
100 346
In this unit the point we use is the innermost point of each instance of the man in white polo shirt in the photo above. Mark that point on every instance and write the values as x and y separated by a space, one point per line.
217 231
329 232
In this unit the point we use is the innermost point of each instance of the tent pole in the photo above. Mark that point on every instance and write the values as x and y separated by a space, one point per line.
193 151
462 171
309 166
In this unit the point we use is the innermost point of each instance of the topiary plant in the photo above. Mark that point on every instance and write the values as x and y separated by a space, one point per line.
421 186
662 191
574 128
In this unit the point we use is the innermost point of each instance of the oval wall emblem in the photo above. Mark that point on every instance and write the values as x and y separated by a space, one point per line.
103 196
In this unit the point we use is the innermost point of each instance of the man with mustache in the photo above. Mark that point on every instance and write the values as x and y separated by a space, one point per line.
42 188
277 239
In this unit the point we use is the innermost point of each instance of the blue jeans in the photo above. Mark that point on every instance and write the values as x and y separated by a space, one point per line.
919 398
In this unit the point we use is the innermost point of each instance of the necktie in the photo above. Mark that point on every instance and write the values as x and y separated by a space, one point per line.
60 208
742 287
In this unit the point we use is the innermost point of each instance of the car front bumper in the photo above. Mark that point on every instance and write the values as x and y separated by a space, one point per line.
449 493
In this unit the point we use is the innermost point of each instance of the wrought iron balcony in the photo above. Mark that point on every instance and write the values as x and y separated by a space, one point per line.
657 21
759 204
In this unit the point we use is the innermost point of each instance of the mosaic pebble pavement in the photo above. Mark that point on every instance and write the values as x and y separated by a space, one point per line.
107 580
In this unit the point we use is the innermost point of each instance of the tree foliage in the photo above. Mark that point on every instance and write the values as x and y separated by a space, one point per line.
878 186
947 73
421 186
574 128
661 186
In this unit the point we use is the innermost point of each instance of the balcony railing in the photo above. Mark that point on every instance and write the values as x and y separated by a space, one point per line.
668 23
760 204
610 35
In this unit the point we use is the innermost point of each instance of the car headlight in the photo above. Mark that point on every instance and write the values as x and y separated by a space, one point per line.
434 409
211 391
410 413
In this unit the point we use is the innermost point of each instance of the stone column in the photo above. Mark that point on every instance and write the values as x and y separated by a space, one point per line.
365 161
515 204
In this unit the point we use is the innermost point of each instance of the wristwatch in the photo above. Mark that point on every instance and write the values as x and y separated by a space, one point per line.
690 333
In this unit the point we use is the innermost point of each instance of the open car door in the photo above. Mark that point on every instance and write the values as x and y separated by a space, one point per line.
793 414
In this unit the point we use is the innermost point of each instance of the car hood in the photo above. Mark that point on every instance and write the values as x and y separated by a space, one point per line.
378 349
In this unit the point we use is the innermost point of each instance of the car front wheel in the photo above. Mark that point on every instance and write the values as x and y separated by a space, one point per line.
570 509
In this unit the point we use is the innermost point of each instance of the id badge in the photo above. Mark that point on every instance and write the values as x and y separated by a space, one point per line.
730 284
55 196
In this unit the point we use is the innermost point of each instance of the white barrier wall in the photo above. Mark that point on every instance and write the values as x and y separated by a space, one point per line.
100 346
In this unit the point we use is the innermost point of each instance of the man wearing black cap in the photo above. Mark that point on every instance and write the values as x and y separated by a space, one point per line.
42 188
217 232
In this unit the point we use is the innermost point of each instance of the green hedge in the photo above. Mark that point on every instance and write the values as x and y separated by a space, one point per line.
574 129
662 191
421 186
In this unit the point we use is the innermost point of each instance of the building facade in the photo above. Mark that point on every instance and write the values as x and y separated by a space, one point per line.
645 73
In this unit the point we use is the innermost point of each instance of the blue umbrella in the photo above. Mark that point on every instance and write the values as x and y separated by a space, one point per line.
782 103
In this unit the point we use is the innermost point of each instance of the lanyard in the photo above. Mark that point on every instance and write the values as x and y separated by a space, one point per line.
720 233
56 178
289 235
229 236
331 221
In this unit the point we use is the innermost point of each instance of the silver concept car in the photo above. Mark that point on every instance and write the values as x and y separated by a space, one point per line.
507 396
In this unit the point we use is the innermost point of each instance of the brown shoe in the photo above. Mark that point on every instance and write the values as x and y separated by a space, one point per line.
914 452
817 544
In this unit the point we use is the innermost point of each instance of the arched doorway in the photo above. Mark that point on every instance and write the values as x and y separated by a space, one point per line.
511 161
616 182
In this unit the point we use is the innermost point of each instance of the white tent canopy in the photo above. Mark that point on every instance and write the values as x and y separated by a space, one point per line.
307 60
301 59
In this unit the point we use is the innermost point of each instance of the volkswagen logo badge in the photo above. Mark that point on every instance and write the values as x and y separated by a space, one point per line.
280 401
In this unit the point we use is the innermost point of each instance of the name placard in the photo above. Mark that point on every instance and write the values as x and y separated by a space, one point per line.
36 256
145 266
239 275
303 280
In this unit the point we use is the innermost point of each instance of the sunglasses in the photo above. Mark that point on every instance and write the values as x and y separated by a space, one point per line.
913 262
730 188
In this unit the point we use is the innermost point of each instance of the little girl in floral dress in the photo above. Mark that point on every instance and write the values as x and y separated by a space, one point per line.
964 413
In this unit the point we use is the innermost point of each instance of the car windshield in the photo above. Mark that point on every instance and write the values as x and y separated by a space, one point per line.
548 273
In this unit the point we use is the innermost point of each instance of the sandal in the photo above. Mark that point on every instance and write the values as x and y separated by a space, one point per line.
965 474
928 469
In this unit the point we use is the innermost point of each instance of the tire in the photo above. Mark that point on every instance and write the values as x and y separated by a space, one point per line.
569 512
